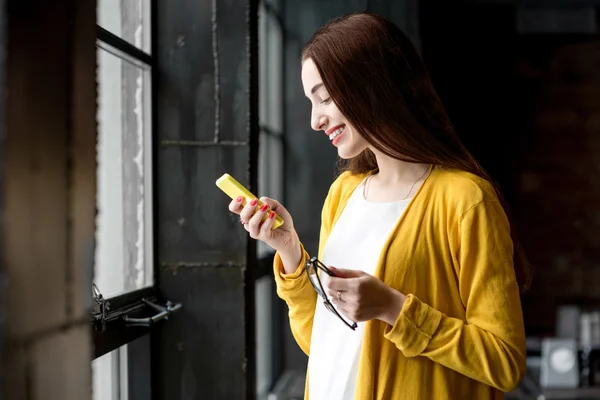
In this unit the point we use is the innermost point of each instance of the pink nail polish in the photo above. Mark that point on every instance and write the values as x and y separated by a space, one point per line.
239 199
254 202
264 207
272 215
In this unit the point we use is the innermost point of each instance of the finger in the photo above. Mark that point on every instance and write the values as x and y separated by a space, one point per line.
236 205
343 309
343 297
325 280
347 273
342 284
266 227
346 309
333 295
340 305
255 222
270 202
248 210
276 206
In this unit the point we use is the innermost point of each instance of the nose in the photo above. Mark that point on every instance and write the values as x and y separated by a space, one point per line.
318 121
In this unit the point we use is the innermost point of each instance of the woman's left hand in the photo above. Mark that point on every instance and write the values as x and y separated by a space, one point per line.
363 297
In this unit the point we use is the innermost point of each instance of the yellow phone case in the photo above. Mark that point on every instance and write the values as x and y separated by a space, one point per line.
233 189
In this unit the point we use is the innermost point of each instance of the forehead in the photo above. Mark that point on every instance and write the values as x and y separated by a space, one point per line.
310 76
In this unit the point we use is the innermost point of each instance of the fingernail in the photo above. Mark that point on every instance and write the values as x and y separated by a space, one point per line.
272 215
239 199
253 202
264 207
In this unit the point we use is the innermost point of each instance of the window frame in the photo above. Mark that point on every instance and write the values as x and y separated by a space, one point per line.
114 333
270 351
271 11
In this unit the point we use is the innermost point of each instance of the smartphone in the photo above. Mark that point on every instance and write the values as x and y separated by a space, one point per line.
234 189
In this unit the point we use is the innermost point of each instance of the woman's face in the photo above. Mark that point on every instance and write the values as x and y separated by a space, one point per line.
326 117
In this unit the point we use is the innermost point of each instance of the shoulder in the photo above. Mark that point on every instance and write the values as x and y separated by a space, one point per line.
460 189
465 200
343 186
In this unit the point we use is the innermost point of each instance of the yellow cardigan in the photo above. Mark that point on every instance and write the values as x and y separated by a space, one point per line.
460 333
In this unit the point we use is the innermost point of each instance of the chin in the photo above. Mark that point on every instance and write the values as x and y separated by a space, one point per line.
351 146
347 154
342 154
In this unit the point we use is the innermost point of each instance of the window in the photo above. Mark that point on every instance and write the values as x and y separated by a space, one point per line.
128 20
271 100
110 375
270 183
124 260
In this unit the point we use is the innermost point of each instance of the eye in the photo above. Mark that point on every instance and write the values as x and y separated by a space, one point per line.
326 101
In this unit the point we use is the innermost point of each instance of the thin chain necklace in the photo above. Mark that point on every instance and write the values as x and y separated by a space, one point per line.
366 189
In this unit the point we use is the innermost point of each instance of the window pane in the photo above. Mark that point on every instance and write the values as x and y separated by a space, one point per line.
128 19
124 226
269 358
109 374
270 164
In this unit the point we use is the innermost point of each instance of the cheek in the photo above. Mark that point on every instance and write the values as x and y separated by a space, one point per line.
356 137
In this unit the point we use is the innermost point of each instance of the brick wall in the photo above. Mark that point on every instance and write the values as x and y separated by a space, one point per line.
528 107
48 187
557 186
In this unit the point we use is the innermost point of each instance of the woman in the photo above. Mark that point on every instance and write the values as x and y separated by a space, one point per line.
413 230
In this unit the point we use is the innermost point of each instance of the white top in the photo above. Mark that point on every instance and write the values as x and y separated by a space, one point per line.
355 242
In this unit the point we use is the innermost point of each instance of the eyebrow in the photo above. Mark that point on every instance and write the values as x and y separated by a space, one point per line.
316 87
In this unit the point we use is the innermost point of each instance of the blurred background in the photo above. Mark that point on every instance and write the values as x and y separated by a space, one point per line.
123 275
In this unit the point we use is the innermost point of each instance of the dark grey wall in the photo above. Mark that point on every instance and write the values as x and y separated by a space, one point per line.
207 125
310 158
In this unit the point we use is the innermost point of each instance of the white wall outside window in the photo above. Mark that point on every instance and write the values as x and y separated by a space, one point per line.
124 257
270 177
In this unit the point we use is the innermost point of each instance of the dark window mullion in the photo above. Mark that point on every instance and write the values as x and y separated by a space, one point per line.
124 46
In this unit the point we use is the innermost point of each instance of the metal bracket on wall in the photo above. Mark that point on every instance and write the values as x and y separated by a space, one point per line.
163 313
102 314
99 309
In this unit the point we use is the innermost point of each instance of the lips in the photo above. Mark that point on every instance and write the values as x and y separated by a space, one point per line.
335 133
337 137
333 129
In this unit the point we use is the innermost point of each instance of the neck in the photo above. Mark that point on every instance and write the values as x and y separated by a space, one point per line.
392 171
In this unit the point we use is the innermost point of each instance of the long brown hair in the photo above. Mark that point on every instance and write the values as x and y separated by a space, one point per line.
375 76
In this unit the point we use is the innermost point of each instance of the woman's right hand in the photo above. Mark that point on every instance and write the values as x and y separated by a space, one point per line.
284 239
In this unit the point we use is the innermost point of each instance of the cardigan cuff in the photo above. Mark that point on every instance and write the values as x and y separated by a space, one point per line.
415 326
291 281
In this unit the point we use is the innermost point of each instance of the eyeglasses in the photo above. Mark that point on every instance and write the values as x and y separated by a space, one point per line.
312 267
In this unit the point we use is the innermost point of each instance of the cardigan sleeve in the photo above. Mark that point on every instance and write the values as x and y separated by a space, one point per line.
489 344
295 289
301 299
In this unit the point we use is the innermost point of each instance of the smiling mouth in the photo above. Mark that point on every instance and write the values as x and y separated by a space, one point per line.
336 133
